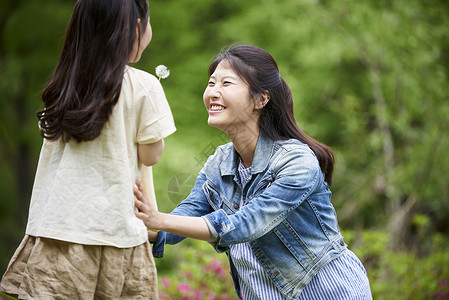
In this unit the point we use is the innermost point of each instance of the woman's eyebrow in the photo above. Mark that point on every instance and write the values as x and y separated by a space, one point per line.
230 77
224 77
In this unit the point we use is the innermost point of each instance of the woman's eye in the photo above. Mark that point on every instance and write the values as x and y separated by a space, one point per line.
227 83
210 83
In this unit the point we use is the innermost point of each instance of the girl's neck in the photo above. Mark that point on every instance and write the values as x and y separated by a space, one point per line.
245 144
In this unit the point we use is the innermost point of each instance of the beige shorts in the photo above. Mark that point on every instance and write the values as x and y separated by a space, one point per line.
44 268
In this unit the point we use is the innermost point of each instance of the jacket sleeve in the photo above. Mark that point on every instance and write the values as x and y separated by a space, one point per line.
195 205
296 174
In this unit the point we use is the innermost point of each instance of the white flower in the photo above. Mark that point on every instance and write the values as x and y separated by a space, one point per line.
162 72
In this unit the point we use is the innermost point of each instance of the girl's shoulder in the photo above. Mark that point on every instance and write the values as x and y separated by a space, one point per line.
140 78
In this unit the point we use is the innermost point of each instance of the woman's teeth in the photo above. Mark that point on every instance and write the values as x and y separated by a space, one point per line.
216 107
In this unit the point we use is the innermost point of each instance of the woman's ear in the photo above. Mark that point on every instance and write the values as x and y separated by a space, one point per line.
263 99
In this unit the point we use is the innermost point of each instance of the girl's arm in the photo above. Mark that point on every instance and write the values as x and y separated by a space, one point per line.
193 227
149 154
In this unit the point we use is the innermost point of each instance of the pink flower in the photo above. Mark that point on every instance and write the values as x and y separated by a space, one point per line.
188 274
216 267
165 282
183 287
198 295
162 295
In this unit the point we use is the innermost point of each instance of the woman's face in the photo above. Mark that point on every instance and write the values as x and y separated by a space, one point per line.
228 101
145 39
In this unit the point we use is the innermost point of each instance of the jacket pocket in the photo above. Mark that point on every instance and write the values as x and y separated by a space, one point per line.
260 188
212 195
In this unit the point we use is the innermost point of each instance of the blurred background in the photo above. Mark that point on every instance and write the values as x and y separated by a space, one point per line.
369 78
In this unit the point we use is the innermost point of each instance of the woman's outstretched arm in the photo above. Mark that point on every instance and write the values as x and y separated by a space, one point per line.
193 227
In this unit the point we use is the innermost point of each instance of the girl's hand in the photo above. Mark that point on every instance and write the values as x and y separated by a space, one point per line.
145 211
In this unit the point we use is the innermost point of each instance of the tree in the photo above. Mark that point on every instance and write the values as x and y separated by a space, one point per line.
29 44
369 78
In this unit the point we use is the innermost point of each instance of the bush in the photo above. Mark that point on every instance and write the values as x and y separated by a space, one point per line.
403 274
193 270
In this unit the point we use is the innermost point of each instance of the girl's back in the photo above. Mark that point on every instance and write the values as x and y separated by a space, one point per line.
83 190
83 240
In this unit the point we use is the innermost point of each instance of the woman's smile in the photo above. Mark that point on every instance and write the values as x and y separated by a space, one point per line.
216 108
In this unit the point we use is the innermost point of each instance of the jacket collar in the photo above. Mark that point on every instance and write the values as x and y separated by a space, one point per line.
262 155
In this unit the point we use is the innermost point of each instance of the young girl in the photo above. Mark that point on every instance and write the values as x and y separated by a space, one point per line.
101 121
263 198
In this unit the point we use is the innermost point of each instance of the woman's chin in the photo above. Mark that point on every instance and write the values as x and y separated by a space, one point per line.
213 123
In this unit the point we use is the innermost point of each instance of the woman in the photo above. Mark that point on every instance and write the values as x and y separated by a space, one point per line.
263 198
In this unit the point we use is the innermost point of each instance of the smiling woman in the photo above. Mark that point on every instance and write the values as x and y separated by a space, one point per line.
264 198
231 107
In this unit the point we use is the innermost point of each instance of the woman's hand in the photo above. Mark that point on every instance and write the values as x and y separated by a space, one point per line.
194 227
145 211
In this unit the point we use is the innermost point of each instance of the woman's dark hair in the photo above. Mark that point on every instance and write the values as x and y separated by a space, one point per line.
259 70
87 80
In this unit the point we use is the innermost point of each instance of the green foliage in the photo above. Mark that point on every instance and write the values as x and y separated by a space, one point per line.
199 273
403 274
369 78
192 270
30 34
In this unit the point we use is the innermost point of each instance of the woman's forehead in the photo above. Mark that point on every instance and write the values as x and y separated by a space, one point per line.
224 68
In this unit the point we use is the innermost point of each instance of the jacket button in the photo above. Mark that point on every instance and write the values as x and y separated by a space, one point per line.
212 197
236 205
342 243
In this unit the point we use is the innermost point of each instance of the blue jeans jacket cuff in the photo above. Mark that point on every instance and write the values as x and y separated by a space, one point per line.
212 230
220 222
159 245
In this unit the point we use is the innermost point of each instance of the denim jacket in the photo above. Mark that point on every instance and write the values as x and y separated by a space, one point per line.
287 217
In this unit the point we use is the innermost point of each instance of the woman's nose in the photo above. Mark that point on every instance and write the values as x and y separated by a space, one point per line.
214 91
210 94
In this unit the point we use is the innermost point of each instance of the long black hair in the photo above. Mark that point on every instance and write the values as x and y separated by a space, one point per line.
260 71
87 80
